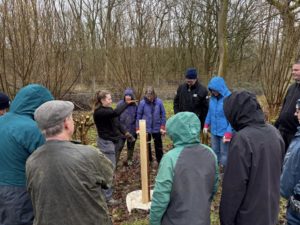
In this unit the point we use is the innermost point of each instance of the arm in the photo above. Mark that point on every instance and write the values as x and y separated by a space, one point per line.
109 112
290 174
207 119
235 179
163 115
176 101
162 190
33 138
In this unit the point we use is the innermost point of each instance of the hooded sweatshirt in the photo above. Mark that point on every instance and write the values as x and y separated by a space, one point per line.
250 193
187 176
20 135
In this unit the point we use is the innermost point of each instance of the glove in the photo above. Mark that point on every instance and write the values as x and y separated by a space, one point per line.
227 137
137 131
163 130
205 129
129 137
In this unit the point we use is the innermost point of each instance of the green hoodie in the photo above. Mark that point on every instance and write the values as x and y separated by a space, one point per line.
19 133
187 176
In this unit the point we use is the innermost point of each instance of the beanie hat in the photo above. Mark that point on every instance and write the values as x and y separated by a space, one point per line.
52 113
4 101
191 73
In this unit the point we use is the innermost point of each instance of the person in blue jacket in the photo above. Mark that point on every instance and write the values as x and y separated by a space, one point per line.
290 177
152 110
127 120
216 121
20 136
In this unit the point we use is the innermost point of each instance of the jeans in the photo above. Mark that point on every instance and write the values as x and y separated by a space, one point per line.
157 145
292 217
220 148
15 206
108 149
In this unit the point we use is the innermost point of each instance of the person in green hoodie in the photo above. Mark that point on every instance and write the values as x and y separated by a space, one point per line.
187 177
20 136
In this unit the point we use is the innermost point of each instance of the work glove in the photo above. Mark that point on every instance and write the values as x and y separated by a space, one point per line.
227 137
205 129
129 137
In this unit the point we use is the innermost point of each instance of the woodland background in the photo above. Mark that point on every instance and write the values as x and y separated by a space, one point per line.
115 44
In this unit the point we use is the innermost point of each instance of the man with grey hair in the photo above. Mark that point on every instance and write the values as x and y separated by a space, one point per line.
65 179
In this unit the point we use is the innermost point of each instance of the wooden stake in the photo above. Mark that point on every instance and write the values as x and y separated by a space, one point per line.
144 162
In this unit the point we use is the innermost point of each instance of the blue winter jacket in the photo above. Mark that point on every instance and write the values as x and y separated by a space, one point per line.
215 118
290 177
128 116
154 113
19 134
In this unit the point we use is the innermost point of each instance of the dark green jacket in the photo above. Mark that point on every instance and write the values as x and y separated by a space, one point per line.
187 176
65 182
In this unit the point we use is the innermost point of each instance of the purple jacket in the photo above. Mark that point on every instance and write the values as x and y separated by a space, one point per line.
154 113
128 116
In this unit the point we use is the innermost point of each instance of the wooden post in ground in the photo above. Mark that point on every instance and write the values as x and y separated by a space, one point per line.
144 162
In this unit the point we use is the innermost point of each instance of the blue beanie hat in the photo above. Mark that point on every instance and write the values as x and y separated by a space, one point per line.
191 73
4 101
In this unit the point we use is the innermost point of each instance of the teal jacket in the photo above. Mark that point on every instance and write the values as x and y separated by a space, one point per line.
187 177
19 133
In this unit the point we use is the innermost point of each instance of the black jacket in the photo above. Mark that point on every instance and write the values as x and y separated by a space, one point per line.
286 121
192 99
251 184
107 122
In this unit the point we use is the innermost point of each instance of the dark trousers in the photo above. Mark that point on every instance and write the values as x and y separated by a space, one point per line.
157 145
130 148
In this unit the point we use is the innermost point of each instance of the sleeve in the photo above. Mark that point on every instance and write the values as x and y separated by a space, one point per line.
204 106
291 173
229 128
207 119
176 101
163 114
104 170
109 112
162 190
277 122
33 138
235 179
139 113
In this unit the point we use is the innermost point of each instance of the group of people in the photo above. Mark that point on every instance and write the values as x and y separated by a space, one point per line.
45 178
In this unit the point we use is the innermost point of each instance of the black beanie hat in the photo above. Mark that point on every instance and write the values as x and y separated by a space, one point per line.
4 101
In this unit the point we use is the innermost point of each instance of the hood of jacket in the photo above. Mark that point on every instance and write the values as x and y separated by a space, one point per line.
29 98
242 109
218 84
184 128
129 92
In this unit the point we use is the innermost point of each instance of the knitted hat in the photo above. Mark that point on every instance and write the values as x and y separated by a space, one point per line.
4 101
52 113
191 73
